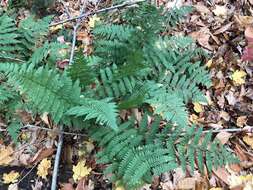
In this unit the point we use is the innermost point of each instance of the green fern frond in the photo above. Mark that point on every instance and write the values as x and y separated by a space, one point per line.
14 130
49 91
164 105
175 15
104 111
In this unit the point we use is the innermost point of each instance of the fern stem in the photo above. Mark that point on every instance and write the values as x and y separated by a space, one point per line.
57 161
85 15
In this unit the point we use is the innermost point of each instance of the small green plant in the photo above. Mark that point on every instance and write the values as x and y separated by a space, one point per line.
132 66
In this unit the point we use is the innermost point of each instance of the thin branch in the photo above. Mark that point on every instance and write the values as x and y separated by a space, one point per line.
57 161
66 8
53 130
231 130
75 34
126 4
25 176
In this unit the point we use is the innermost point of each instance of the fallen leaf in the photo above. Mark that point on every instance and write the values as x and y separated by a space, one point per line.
197 107
248 140
202 37
220 11
93 21
187 183
222 174
209 63
241 121
223 137
239 77
248 51
6 155
80 170
41 154
43 167
216 188
11 177
67 186
13 186
244 21
223 28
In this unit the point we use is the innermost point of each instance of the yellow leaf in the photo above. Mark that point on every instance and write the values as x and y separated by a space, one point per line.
10 177
80 170
209 63
5 155
197 107
239 77
249 140
216 188
56 28
43 167
93 21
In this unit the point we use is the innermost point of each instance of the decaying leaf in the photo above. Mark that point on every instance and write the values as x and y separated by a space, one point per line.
11 177
220 11
80 170
241 121
239 77
6 155
93 21
43 167
248 140
197 107
187 183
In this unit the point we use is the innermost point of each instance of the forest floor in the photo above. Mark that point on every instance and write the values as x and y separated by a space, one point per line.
222 28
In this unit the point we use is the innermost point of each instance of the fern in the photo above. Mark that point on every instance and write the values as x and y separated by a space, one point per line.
103 111
48 91
14 130
135 153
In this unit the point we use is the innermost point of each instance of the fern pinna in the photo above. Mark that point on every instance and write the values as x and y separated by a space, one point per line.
132 66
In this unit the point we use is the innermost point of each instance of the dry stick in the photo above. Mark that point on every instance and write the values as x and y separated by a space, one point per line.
53 130
14 187
57 161
98 11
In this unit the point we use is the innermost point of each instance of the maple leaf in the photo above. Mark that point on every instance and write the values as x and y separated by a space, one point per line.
5 155
239 77
10 177
80 170
43 167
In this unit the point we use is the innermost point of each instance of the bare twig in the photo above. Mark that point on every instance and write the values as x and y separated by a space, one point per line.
14 187
231 130
75 33
57 161
53 130
126 4
66 8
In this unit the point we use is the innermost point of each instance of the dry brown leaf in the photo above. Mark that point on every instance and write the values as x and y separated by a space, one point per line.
223 28
220 11
222 174
41 154
67 186
223 137
241 121
244 21
202 8
187 183
6 155
202 37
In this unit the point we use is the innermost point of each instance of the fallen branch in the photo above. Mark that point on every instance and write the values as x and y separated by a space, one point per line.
126 4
